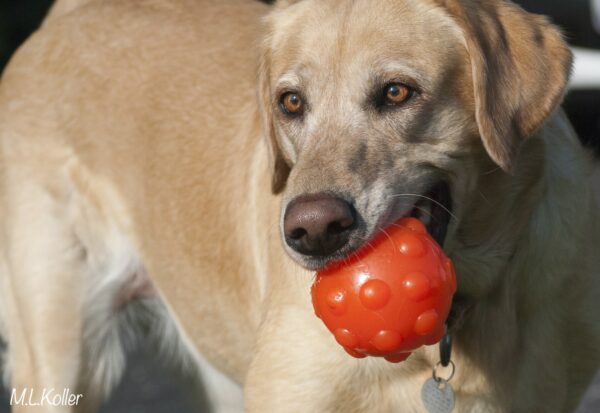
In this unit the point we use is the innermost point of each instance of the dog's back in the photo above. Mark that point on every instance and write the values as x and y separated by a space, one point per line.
122 125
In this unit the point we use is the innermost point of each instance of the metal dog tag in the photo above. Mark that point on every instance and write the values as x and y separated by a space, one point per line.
437 396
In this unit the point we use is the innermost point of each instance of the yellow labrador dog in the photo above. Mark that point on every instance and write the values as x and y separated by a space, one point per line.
151 176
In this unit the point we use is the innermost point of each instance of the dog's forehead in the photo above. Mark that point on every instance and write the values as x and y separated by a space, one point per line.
349 35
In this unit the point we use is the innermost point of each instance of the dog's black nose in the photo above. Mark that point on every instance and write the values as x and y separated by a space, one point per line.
318 225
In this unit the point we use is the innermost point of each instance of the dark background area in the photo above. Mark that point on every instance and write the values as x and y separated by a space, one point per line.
149 387
574 17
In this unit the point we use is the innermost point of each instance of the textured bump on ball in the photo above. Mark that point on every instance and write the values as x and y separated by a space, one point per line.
416 286
411 245
413 224
345 337
375 294
355 353
426 322
387 340
336 301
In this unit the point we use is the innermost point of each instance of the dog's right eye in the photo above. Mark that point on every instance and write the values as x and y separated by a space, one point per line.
291 103
396 93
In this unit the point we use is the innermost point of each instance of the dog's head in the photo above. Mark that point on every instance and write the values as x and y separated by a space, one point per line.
374 110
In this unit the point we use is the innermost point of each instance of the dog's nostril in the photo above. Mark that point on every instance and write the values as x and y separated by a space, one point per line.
338 227
318 224
297 233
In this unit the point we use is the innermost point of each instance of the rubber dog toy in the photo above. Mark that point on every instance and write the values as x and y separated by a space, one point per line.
391 297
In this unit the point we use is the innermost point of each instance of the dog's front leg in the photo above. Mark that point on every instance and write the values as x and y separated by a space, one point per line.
294 369
45 265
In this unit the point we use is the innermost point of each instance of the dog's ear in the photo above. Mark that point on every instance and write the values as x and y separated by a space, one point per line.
520 68
279 167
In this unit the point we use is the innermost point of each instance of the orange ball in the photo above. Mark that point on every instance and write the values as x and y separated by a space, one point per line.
391 297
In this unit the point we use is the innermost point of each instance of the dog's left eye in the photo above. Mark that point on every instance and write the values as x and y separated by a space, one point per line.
396 93
291 103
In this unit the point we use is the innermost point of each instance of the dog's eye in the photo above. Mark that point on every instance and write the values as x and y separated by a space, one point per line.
396 93
291 103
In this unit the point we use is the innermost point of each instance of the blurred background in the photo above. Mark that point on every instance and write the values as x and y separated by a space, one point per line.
148 386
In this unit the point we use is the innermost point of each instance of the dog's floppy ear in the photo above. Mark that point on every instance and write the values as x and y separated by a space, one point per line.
279 167
520 68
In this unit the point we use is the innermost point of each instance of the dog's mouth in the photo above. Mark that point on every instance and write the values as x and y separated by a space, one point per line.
434 209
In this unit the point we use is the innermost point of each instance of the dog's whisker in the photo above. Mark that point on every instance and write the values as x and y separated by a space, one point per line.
484 197
429 199
491 171
425 211
370 245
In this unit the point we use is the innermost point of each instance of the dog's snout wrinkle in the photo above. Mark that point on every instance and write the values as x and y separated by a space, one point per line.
318 225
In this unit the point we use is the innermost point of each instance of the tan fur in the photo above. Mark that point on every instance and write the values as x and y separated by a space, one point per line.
136 137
